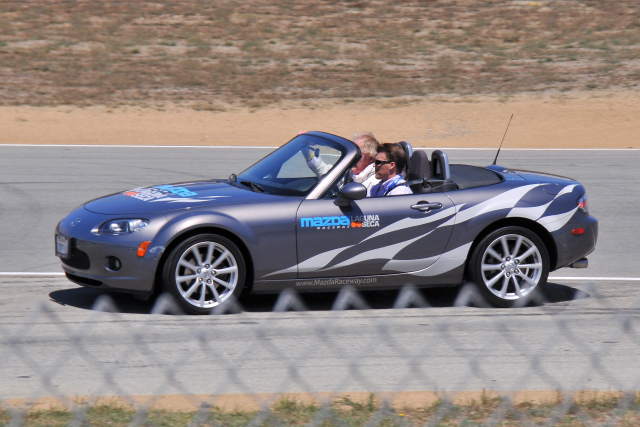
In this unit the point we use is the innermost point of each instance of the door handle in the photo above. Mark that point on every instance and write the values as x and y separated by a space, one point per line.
426 206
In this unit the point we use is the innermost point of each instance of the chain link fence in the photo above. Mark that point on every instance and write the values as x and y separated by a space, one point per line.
414 357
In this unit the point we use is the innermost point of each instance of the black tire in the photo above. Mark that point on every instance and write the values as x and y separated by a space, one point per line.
498 273
212 281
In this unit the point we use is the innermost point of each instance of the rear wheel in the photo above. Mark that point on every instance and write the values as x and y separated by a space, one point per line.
204 272
510 266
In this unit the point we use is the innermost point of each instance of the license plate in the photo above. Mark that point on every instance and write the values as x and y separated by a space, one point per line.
62 246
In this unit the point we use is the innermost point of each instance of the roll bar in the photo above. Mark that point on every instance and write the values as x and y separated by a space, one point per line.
440 165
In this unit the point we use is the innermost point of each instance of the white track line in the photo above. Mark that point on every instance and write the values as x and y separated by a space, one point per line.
27 274
601 279
262 147
528 149
138 146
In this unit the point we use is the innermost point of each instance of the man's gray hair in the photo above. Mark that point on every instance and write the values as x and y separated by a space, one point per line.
369 144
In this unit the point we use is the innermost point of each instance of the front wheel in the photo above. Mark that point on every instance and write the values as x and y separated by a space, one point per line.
204 272
510 266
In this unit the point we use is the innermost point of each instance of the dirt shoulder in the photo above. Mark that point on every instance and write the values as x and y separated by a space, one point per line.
576 120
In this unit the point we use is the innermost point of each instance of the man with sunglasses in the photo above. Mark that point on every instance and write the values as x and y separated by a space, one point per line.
389 161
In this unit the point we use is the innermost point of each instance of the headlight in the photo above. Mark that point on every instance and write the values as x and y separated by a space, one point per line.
122 226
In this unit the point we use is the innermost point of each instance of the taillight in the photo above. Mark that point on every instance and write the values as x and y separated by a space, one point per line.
582 203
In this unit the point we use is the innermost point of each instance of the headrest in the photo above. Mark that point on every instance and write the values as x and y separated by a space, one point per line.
419 169
408 151
440 165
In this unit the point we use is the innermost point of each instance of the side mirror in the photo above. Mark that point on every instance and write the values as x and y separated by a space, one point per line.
351 191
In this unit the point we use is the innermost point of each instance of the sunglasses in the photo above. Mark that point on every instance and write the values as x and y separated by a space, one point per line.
381 162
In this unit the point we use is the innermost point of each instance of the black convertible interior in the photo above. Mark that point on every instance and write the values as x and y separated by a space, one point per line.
437 175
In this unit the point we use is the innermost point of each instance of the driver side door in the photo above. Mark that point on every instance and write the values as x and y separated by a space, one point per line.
371 236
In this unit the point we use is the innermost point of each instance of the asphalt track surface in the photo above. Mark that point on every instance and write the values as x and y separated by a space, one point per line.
584 338
53 342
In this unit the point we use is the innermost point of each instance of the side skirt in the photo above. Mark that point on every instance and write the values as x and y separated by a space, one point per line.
387 281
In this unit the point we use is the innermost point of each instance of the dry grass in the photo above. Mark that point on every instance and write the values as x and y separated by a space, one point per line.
583 411
255 52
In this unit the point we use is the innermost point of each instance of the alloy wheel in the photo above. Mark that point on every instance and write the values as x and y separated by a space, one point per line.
511 267
206 274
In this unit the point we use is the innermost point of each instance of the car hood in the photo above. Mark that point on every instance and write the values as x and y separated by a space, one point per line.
169 197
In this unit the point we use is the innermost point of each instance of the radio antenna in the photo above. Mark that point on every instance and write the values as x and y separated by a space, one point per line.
505 134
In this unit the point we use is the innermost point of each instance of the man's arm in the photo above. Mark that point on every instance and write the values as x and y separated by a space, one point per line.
315 163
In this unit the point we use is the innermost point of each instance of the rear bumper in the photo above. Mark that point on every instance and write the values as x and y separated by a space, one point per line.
572 247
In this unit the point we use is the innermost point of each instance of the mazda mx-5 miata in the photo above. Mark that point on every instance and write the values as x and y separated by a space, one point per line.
285 222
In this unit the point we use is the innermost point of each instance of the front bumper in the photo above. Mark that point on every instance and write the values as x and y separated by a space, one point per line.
91 258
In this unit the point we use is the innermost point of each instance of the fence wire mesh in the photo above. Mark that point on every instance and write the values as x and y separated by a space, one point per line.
413 357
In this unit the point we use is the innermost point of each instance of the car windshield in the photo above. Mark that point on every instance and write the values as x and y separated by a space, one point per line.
295 168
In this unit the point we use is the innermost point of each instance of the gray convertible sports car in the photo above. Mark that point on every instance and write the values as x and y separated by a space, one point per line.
285 224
